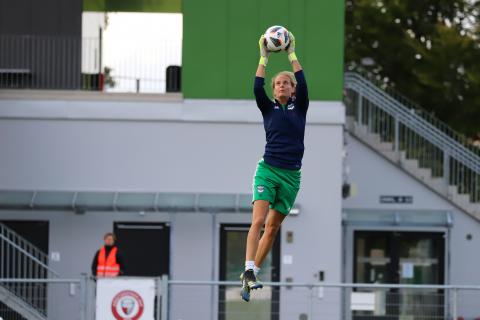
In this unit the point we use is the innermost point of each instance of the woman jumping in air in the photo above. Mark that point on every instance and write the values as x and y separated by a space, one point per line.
277 177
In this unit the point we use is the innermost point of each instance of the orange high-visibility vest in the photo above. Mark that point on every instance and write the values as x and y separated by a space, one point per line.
108 266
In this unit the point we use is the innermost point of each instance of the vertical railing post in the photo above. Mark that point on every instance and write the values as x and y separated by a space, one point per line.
360 108
446 167
454 303
100 49
164 292
158 301
370 119
396 138
83 296
347 300
311 302
90 296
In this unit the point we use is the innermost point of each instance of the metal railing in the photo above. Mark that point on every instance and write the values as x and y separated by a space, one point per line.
221 300
415 132
208 300
91 64
21 259
60 299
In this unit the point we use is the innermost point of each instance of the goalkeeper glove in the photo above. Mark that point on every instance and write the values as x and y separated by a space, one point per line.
291 48
264 52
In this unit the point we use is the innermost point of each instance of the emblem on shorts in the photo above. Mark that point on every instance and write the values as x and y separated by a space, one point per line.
260 189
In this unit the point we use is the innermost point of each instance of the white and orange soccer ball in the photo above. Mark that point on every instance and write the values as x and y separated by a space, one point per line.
277 38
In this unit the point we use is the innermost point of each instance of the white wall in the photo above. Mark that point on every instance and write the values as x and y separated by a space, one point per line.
197 146
371 176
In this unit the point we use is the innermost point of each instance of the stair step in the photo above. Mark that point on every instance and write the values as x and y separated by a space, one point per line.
463 199
411 165
357 84
360 128
392 155
374 138
19 306
473 208
452 192
385 146
350 123
425 174
438 184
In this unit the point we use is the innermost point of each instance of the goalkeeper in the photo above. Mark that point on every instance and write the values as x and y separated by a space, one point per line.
277 177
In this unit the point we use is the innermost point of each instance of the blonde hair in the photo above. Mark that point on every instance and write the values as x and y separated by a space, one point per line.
289 74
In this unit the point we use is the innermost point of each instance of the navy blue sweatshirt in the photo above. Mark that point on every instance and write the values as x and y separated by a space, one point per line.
284 125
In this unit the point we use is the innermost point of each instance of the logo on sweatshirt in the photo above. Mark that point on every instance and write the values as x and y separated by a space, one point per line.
260 189
291 106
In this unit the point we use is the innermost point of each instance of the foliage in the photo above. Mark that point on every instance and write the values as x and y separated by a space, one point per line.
428 50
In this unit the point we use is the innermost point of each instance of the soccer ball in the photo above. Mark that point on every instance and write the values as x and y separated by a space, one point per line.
277 38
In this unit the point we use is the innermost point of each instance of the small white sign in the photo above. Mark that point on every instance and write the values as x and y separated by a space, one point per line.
55 256
320 292
407 270
362 301
287 259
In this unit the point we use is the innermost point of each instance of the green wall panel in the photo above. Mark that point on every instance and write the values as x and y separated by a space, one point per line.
239 36
204 61
171 6
220 45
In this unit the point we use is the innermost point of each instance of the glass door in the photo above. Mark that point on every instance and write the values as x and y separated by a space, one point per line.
420 261
399 258
264 302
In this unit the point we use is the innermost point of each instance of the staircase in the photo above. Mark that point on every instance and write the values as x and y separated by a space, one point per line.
413 139
19 259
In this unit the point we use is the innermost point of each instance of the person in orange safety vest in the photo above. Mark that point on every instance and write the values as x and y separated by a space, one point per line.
108 262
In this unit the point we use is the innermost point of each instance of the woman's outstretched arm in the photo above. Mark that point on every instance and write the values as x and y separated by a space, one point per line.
301 92
263 102
260 71
296 66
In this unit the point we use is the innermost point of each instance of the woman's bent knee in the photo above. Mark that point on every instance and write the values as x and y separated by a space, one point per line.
271 230
257 223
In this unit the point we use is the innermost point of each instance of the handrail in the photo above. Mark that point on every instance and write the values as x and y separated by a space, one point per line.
268 283
409 104
28 254
21 259
410 119
22 240
41 280
329 285
379 113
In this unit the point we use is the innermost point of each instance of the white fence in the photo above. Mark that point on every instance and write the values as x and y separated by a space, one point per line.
207 300
92 64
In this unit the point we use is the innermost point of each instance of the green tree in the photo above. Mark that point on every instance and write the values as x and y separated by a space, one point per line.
428 50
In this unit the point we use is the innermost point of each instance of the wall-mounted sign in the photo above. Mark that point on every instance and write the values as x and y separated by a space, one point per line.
407 270
396 199
287 259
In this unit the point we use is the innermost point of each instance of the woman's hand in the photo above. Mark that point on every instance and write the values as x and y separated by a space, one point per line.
264 52
291 48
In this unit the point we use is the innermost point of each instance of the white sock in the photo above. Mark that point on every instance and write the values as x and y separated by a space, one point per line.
256 270
249 265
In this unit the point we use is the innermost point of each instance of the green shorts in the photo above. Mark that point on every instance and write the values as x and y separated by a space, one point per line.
277 186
